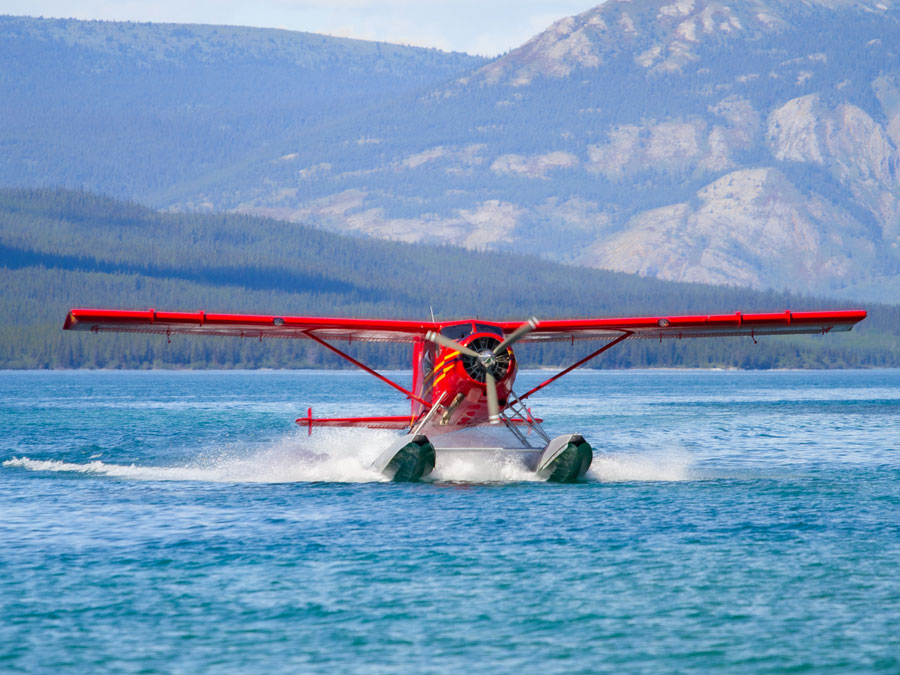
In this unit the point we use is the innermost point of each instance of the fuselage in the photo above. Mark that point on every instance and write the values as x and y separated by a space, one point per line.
458 381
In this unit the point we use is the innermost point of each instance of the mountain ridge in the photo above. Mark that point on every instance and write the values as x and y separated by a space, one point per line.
686 150
613 148
586 40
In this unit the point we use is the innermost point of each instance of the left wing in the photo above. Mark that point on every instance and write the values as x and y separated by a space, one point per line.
245 325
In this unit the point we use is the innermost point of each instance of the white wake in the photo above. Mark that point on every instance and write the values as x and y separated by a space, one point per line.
497 469
670 465
339 456
346 456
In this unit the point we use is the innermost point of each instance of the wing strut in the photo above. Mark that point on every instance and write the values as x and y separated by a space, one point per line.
366 368
624 336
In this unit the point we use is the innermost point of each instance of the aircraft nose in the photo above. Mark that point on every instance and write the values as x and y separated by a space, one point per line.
487 359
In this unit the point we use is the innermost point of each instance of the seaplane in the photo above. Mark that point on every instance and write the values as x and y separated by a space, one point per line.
463 372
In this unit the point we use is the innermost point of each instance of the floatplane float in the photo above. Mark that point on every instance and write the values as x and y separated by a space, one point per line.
462 397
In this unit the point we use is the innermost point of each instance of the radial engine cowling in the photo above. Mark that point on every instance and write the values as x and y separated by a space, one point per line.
477 367
487 361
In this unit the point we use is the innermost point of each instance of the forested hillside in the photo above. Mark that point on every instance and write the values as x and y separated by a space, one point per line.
62 249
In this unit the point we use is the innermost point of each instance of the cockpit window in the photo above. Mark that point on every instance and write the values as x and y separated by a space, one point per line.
464 330
484 328
457 332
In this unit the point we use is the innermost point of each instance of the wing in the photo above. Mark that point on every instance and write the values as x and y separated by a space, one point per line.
245 325
384 330
713 325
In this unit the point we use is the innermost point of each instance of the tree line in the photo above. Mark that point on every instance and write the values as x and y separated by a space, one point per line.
61 249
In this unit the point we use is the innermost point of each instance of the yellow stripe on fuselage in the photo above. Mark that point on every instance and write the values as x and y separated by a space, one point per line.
444 374
440 365
451 355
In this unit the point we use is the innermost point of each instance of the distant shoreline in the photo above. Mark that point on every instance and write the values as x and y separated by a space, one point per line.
541 369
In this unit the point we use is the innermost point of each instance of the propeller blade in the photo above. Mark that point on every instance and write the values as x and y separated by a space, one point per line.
437 338
517 335
493 404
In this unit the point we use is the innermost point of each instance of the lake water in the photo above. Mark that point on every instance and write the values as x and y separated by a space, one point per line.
179 522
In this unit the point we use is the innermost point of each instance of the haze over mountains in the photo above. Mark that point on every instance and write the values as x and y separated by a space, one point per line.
750 143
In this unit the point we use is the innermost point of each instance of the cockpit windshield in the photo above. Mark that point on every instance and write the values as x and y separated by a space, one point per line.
484 328
457 332
464 330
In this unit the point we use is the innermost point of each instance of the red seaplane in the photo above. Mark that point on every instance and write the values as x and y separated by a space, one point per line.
463 373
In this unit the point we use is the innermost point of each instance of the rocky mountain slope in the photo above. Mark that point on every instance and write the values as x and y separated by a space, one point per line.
752 143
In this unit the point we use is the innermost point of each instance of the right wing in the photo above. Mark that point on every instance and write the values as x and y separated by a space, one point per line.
245 325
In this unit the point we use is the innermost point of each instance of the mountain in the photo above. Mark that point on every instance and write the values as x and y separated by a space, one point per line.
134 109
751 143
61 249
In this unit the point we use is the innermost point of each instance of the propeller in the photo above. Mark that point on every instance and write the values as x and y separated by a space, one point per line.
517 335
487 359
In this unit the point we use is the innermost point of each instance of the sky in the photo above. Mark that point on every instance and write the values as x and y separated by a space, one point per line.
486 27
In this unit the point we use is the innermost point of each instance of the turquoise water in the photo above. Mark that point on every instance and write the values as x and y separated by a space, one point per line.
178 522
